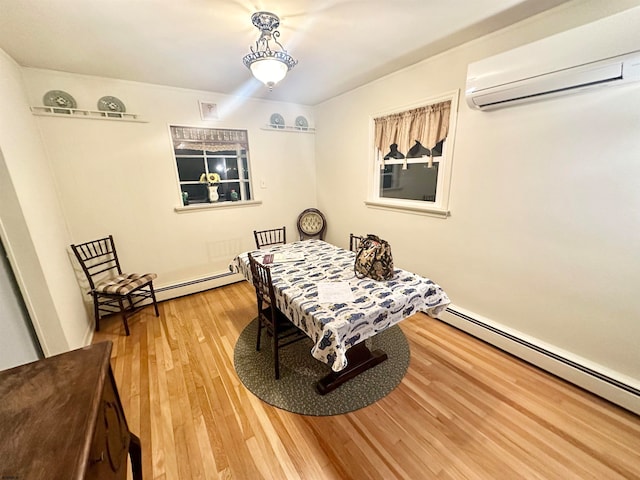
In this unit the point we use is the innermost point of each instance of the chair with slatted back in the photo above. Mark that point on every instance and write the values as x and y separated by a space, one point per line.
354 242
276 324
274 236
112 290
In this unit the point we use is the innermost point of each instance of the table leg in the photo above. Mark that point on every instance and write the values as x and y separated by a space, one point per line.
359 359
135 453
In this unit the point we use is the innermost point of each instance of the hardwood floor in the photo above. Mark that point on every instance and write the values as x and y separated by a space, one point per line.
465 410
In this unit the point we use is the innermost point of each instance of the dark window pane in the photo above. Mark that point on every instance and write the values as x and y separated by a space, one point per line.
190 169
386 177
245 167
197 193
216 165
185 151
231 170
418 182
226 167
224 190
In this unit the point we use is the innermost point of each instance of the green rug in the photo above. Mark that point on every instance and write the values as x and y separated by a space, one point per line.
299 372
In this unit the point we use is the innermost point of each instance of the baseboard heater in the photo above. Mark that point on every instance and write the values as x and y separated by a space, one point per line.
194 282
547 353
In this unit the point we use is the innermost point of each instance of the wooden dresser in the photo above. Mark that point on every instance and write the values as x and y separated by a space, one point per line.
61 418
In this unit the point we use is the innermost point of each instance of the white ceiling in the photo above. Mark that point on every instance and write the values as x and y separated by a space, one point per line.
199 44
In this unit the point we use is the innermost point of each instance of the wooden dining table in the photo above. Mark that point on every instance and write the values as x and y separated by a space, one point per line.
302 271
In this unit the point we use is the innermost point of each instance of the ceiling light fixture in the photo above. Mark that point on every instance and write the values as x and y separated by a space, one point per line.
268 66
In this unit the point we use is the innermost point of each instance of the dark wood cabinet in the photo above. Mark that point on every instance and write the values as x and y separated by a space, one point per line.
61 418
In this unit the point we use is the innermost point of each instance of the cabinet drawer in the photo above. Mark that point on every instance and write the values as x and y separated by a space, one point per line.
109 449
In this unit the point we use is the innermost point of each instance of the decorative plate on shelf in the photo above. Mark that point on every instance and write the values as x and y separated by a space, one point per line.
111 104
277 121
301 123
58 98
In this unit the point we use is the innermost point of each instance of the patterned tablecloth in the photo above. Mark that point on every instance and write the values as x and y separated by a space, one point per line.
334 327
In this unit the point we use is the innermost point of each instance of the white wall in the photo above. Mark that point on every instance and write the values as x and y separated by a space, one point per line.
120 178
544 232
32 225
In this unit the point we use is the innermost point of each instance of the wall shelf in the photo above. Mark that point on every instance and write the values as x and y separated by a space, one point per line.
285 128
86 114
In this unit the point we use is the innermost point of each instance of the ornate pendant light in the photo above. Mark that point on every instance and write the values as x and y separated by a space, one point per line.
267 65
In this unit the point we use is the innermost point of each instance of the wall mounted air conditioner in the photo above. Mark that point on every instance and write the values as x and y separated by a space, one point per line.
601 53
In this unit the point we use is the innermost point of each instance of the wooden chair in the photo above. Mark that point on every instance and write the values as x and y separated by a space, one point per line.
275 236
354 242
276 324
311 224
112 290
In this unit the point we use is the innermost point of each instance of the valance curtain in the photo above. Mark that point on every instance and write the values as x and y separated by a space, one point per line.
427 125
209 139
207 146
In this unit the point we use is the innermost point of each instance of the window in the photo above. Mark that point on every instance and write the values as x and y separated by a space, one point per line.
212 164
412 152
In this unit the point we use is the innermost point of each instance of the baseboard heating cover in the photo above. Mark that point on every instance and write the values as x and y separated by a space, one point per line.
580 372
167 292
193 282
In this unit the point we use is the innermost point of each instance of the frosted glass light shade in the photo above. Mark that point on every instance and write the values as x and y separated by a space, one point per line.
269 71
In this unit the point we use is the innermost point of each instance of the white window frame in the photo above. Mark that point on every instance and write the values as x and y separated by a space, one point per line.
223 204
438 208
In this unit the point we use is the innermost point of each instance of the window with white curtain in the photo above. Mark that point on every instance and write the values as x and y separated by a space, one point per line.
413 156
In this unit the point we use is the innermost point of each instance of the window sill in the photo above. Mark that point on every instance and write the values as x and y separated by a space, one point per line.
417 209
208 206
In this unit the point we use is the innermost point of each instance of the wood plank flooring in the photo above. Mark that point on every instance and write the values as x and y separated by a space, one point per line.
465 410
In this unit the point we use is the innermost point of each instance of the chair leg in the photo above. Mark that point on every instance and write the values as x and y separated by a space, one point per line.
135 453
131 305
123 312
153 296
276 358
259 303
259 333
96 311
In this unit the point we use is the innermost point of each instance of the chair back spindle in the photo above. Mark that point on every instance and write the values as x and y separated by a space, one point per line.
96 258
354 242
261 276
273 236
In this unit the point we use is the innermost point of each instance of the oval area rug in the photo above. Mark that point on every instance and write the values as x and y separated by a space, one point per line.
299 372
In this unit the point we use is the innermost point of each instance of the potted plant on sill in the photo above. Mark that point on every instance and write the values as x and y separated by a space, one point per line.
212 180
